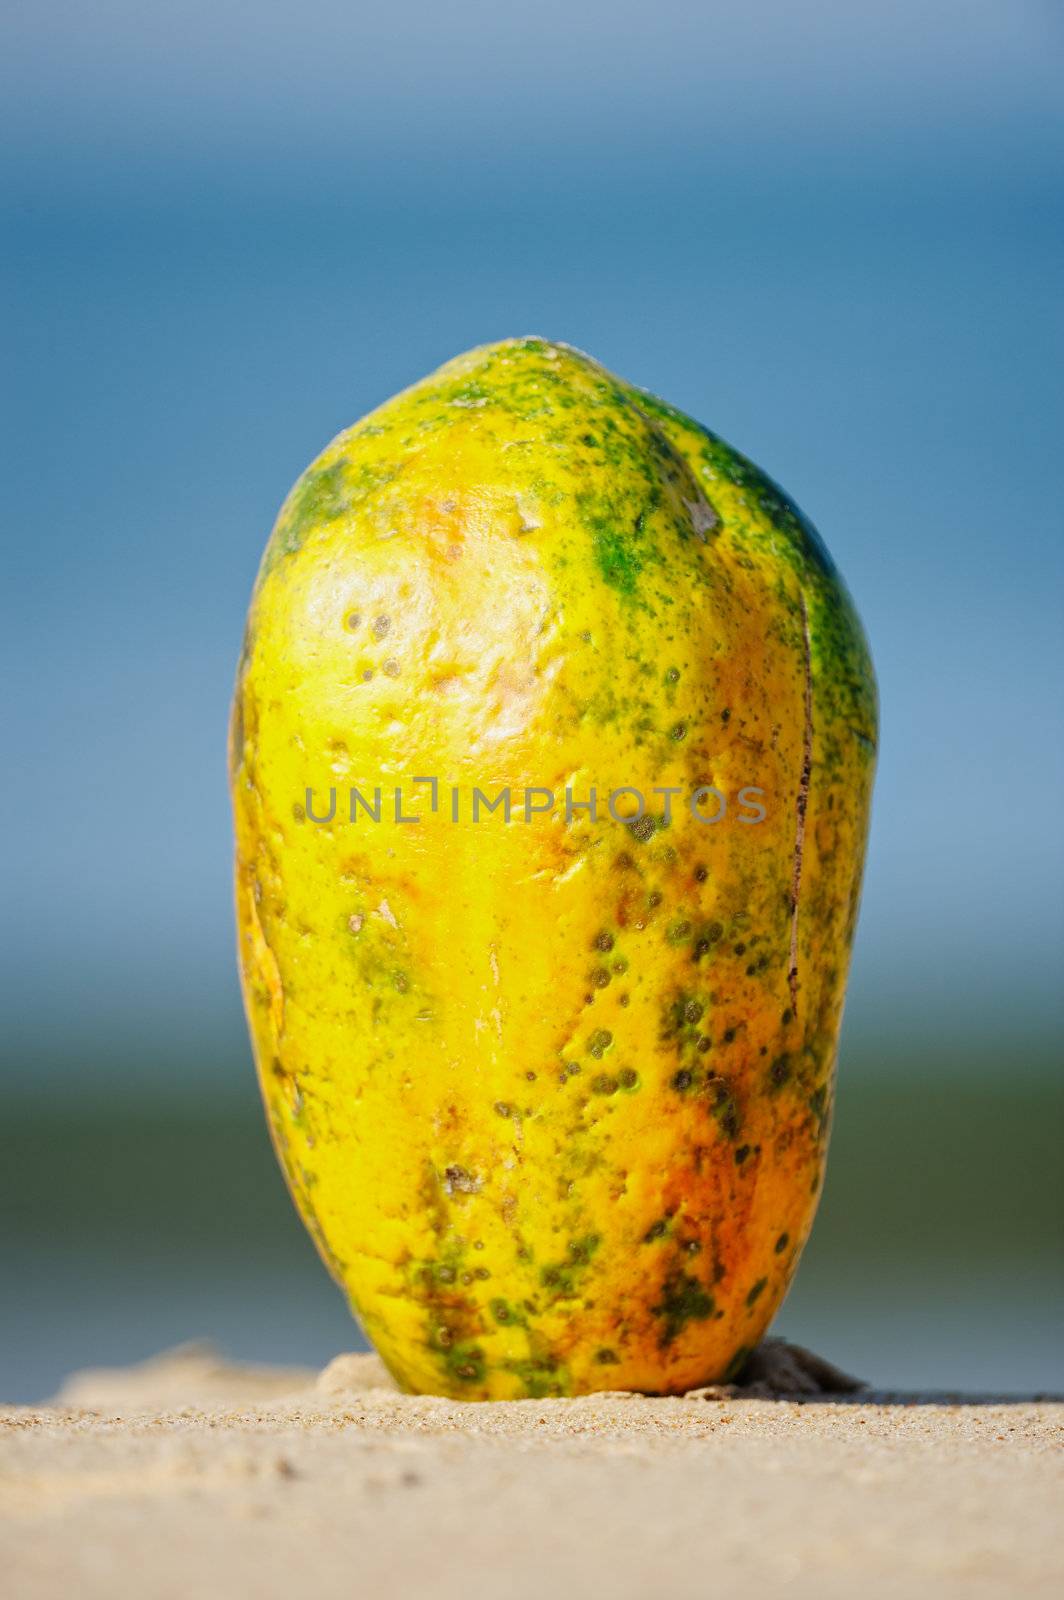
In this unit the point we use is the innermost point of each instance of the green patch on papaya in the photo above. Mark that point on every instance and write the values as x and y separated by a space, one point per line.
681 1020
321 496
683 1300
563 1278
622 544
543 1377
465 1362
619 562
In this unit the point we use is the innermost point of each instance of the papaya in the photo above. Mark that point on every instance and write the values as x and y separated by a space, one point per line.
551 759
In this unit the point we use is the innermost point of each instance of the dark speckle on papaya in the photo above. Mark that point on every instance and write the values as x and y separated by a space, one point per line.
779 1072
781 1243
471 1369
723 1106
756 1291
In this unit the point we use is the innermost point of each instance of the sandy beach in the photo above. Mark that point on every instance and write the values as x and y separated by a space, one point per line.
191 1476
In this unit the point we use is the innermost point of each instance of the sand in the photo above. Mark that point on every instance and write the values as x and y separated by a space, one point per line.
191 1477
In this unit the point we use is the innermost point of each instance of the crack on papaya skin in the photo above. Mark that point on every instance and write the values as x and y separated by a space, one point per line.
801 804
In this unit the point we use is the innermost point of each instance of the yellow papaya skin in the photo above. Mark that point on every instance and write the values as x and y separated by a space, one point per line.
552 1095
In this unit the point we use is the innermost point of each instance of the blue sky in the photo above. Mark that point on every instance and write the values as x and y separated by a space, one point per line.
832 232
